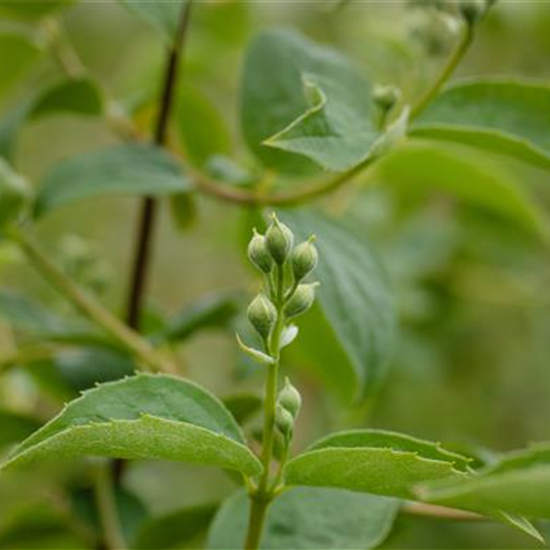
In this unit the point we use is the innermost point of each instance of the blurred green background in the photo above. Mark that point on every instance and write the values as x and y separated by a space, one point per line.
474 336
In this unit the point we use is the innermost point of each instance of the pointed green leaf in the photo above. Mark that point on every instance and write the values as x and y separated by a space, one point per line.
306 99
353 325
309 518
519 484
418 169
146 416
79 96
511 117
124 170
382 463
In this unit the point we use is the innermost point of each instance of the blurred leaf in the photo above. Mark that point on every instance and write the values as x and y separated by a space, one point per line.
225 169
174 529
387 464
163 16
29 316
201 127
419 169
511 117
38 525
306 99
519 484
80 96
75 96
19 51
354 323
32 9
131 511
184 210
117 171
211 311
146 416
309 518
243 405
81 369
15 427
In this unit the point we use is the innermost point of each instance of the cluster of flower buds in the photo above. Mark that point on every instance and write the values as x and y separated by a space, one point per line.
289 403
285 294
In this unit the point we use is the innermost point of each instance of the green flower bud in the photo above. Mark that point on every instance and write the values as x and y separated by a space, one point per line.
258 254
304 259
290 399
14 195
472 10
284 421
262 315
279 240
301 300
386 96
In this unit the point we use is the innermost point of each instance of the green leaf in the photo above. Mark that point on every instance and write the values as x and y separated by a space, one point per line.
201 127
518 484
18 51
511 117
174 529
123 170
145 416
354 322
243 405
419 169
211 311
163 16
79 96
15 427
31 9
309 519
306 99
376 462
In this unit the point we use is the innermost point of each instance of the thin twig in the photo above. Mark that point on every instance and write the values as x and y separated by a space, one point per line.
147 220
151 358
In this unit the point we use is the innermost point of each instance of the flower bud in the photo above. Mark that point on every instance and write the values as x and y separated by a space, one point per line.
262 315
304 259
279 240
301 300
14 195
290 399
386 96
472 10
284 421
258 254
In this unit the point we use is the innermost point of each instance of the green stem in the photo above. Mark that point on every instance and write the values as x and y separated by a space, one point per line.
107 507
466 39
261 497
129 339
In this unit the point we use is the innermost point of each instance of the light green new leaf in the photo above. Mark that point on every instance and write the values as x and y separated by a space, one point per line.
18 51
31 9
376 462
418 169
511 117
79 96
164 16
123 170
518 484
349 336
309 519
201 127
307 100
146 416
